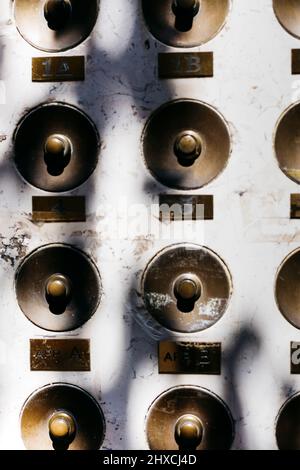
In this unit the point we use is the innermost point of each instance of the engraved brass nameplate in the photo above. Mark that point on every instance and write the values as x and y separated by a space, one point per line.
66 355
185 64
189 358
183 207
295 206
58 69
295 357
58 209
295 61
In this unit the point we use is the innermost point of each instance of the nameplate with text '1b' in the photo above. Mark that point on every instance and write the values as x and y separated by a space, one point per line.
177 207
177 357
58 209
66 355
185 64
58 69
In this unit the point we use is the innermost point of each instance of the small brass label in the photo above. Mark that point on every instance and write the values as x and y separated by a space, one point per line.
58 69
295 61
295 357
295 206
185 64
66 355
189 358
58 209
182 207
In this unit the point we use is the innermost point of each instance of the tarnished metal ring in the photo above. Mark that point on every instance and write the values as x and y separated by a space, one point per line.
176 402
31 281
43 403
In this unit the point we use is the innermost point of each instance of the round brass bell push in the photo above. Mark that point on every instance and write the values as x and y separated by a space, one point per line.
186 144
56 147
185 23
287 289
58 287
189 418
55 25
62 417
288 15
288 424
186 288
287 143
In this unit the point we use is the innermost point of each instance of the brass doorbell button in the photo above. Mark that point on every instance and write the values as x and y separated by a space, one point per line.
186 144
287 142
287 288
287 425
56 147
288 15
186 288
185 11
58 150
62 417
188 432
58 287
58 293
189 5
62 427
55 25
57 13
185 23
189 418
187 147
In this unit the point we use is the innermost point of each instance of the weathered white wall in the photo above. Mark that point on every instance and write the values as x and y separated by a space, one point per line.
251 231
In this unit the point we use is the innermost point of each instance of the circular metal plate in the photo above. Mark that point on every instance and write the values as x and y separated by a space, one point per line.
288 424
158 287
161 22
43 403
160 135
31 280
32 134
287 143
218 430
288 15
287 288
32 25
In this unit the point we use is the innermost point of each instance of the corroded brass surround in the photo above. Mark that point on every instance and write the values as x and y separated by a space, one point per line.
287 288
83 287
207 297
50 27
288 424
165 129
79 144
169 24
79 410
287 142
288 15
177 403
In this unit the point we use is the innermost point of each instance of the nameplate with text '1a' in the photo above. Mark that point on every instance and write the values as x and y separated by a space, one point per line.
185 64
58 69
